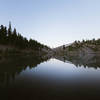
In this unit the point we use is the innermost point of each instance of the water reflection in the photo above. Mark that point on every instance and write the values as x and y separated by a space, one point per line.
88 60
13 66
32 78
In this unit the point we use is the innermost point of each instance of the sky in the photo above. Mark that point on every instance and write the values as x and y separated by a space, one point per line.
53 22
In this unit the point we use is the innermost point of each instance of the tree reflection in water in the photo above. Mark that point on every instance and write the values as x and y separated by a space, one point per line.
88 60
15 65
43 91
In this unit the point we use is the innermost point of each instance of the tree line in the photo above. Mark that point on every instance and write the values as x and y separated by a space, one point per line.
92 42
13 38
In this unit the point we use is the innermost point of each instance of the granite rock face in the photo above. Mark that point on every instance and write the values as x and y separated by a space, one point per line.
77 50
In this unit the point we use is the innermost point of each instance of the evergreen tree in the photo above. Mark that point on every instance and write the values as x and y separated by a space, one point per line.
14 39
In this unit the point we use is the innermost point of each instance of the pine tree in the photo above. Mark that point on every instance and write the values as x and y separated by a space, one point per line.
9 33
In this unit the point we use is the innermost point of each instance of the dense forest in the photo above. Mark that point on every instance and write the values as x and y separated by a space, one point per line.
13 38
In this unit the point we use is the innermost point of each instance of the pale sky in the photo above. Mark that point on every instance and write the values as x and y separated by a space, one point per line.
53 22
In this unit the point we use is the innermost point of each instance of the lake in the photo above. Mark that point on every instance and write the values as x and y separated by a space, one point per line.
53 79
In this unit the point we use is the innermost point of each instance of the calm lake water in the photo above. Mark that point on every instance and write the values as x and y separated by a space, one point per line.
49 80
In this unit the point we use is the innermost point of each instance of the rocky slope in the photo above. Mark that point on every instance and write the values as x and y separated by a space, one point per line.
79 48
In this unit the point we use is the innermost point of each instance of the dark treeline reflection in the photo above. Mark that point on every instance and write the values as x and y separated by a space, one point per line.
88 60
18 82
15 65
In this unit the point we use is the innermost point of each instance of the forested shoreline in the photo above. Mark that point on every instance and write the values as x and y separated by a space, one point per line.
12 42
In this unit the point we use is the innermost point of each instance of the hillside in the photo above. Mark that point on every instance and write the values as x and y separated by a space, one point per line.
79 48
13 43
